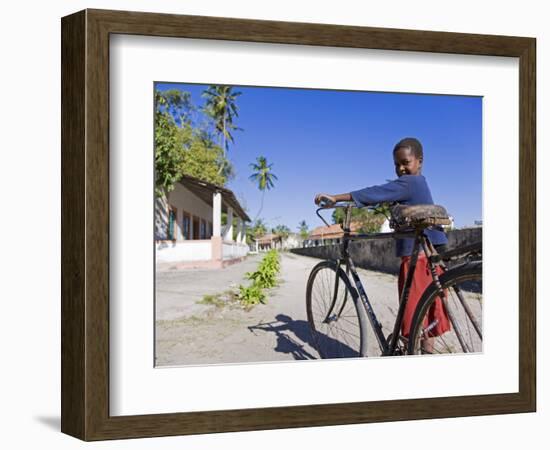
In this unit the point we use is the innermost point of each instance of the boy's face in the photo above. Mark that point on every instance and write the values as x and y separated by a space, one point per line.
406 163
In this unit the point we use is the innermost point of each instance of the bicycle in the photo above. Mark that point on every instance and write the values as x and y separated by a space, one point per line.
339 313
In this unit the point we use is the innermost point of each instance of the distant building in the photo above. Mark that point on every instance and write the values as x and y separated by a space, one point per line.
188 226
293 240
328 235
451 225
268 242
278 242
385 228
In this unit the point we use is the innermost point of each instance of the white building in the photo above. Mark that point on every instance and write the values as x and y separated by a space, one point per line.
268 242
293 240
274 241
188 226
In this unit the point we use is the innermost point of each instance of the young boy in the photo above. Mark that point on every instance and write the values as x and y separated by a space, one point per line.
410 188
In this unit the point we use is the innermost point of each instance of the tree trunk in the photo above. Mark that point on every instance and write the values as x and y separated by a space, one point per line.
261 206
223 147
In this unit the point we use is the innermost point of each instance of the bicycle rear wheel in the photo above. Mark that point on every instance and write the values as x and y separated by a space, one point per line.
459 329
337 319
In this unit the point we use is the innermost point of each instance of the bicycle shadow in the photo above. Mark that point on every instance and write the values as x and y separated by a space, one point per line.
284 327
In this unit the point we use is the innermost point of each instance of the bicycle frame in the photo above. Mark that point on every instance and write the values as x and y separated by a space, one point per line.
420 241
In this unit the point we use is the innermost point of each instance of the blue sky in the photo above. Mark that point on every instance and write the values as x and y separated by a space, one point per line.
339 141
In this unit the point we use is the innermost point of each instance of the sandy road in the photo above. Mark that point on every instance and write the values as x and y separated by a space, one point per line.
191 333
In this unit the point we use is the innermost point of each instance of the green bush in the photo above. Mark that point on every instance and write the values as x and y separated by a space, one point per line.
264 277
251 295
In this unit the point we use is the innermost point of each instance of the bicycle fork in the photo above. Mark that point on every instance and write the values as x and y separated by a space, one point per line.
330 316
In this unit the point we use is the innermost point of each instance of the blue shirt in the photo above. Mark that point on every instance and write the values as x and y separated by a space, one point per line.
408 190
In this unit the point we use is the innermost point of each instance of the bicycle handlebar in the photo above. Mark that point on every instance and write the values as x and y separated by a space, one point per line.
328 205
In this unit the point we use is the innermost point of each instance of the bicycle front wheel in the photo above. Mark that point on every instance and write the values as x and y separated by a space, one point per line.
450 321
337 320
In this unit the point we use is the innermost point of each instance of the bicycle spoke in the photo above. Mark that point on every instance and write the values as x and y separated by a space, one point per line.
462 305
333 315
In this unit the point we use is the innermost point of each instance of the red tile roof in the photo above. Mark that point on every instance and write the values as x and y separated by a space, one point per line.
267 238
332 232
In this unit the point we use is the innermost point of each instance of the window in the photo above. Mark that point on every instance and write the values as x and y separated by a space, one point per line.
186 226
196 230
172 223
203 230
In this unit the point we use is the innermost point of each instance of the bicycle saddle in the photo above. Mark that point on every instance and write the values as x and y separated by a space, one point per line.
419 216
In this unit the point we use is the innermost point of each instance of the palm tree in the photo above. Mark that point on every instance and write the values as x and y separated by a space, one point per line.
221 107
281 230
302 226
259 228
263 177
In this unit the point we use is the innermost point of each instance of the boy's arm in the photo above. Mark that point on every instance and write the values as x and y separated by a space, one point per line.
394 191
332 198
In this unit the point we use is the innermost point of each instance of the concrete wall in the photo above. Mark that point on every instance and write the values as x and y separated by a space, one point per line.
184 200
231 250
184 251
380 254
292 241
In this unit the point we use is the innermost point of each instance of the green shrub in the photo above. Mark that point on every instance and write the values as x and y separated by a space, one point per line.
251 295
264 277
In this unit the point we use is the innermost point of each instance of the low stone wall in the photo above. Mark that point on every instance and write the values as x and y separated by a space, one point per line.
379 254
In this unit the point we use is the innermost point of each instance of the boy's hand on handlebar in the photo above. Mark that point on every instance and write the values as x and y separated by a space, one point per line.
324 200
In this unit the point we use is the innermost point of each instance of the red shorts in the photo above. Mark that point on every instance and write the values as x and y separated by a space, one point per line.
422 278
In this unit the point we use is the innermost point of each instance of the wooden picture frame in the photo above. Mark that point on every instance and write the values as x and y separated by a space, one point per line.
85 224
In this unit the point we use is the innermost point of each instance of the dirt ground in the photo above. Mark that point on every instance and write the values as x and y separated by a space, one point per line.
191 333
